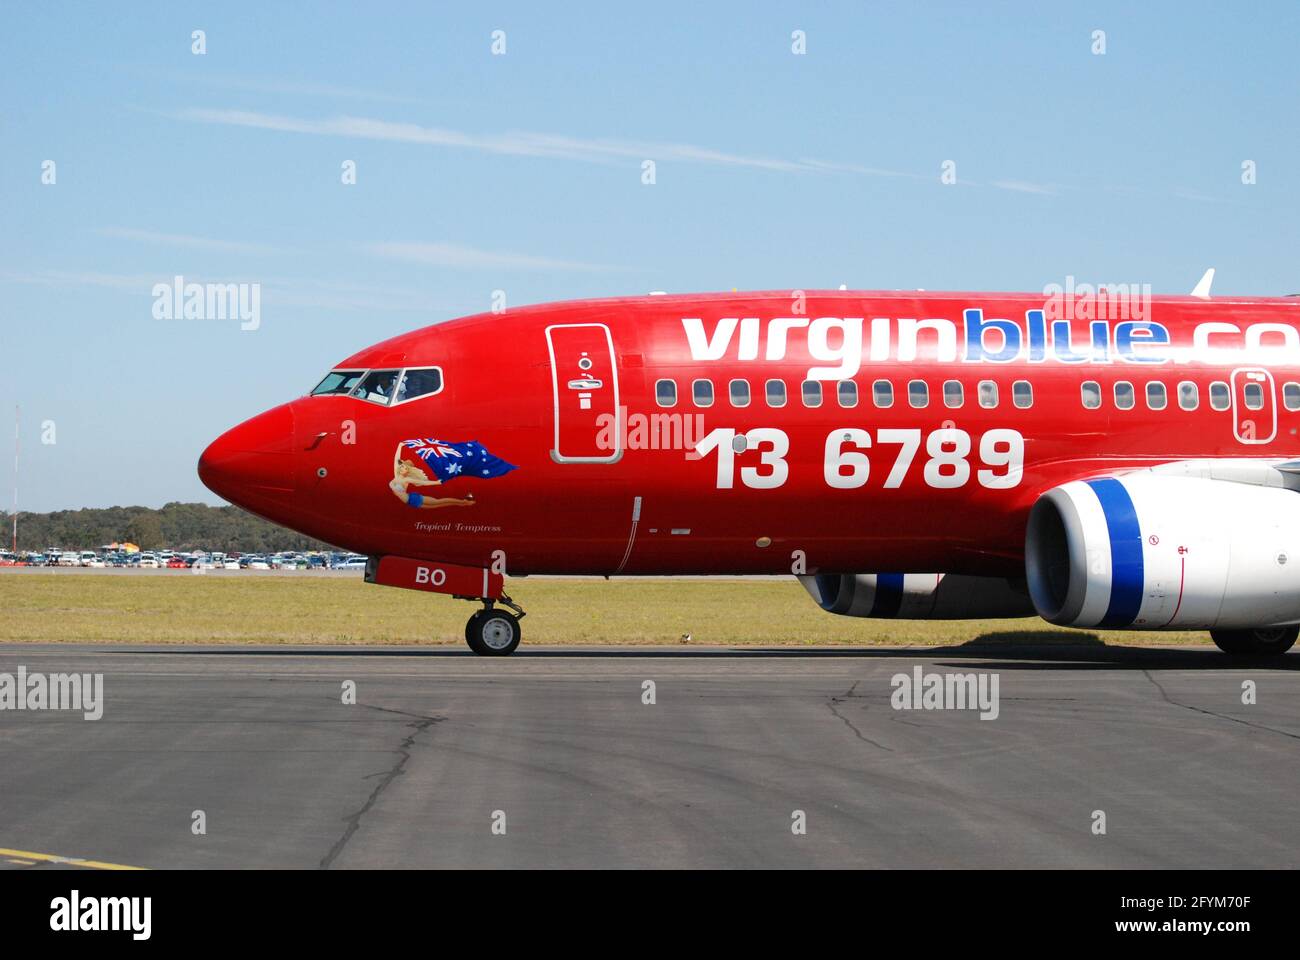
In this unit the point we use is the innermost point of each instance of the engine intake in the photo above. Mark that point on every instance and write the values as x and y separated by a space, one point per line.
1147 551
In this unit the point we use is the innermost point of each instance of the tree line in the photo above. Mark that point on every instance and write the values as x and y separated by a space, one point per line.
177 526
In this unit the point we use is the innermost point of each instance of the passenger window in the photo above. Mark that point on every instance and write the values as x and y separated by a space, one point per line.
1291 396
1091 394
953 395
1189 397
1156 395
1124 395
848 393
666 393
988 391
739 391
702 393
1022 394
419 383
337 382
918 394
812 393
882 393
1220 399
776 393
377 386
1254 394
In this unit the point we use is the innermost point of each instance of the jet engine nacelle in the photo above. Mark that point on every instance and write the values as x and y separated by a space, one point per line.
918 596
1150 552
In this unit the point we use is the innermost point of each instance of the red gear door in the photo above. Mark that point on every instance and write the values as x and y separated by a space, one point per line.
1254 407
584 378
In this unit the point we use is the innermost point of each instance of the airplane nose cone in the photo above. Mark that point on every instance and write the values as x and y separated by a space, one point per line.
253 462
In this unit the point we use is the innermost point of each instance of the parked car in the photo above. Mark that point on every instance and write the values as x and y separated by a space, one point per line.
230 563
354 562
149 562
176 563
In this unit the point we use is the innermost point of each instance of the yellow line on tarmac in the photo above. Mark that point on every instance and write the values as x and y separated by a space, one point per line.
72 861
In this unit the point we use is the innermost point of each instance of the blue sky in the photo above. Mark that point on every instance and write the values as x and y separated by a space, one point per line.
522 173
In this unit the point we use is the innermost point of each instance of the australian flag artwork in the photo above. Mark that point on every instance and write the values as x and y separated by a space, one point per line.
447 461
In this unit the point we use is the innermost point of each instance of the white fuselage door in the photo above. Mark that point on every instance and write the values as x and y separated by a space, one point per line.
584 378
1254 407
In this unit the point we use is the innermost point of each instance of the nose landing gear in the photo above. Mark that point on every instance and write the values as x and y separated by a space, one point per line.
492 632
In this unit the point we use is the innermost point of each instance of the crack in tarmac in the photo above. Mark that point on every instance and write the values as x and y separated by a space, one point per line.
418 726
1211 713
845 720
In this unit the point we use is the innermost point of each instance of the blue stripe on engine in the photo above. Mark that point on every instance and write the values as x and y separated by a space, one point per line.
889 595
1127 574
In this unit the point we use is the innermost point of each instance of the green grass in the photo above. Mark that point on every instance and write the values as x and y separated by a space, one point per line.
239 608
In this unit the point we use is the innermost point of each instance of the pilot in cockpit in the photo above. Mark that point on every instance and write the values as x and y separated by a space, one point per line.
379 386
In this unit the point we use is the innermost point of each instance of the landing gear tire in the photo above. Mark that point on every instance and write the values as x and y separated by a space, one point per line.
1256 643
492 633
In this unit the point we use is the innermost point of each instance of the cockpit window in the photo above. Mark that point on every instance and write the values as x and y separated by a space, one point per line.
419 383
337 382
377 387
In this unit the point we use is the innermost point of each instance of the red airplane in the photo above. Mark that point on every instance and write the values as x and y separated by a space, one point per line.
1101 458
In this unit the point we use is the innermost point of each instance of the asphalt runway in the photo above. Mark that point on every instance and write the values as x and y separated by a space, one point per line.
557 746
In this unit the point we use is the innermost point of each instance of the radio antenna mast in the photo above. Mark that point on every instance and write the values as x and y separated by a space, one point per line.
17 420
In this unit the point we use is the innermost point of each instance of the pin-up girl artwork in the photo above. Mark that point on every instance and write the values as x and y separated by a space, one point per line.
424 463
